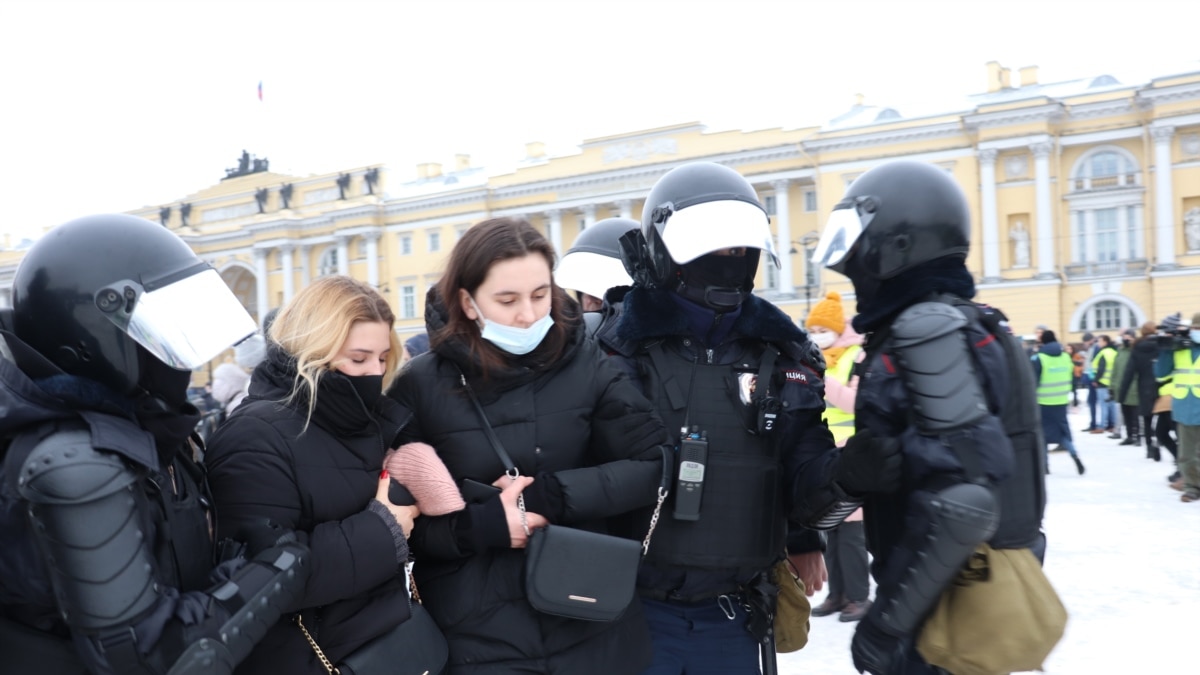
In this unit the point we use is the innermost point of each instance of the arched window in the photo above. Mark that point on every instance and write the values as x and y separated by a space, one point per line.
1108 315
328 263
1107 233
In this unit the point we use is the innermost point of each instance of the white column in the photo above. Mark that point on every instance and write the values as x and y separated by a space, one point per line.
589 216
1045 214
305 265
783 237
343 249
288 271
988 222
555 229
626 207
260 287
1164 201
372 258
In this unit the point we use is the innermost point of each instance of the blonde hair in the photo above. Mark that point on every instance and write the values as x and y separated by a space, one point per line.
313 326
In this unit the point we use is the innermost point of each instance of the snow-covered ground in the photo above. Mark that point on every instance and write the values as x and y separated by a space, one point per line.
1124 555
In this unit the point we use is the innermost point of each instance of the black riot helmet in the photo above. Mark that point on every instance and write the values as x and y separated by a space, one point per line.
593 263
124 302
693 211
893 218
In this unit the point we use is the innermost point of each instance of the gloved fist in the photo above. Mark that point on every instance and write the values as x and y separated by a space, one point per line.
869 465
873 650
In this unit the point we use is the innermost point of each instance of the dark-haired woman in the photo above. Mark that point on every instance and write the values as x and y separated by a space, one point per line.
586 443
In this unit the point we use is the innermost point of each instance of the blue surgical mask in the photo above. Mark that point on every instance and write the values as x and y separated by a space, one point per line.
512 339
1195 335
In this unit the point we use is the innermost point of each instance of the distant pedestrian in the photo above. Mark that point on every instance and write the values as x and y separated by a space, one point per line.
1182 363
1106 407
1053 370
1139 377
1088 381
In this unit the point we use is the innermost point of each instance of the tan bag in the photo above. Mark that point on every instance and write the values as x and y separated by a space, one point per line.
1162 404
1001 615
792 609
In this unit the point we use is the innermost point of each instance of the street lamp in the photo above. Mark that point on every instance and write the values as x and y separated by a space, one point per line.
806 243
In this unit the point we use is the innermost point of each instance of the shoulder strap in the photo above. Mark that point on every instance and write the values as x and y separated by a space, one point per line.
509 466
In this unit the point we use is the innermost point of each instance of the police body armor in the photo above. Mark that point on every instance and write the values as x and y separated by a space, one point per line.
740 523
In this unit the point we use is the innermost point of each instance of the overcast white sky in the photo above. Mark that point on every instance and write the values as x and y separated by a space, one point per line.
113 105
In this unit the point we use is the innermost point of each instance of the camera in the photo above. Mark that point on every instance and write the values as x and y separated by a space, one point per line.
1173 338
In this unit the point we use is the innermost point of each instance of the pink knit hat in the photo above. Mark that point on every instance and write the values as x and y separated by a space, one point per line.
416 466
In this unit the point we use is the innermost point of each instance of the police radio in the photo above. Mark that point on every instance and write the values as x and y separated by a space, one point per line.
693 456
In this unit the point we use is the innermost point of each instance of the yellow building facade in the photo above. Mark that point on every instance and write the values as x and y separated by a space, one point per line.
1085 199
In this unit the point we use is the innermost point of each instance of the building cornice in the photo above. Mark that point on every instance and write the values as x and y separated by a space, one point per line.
1151 97
1110 108
1098 137
441 200
926 132
1016 142
1008 284
1047 112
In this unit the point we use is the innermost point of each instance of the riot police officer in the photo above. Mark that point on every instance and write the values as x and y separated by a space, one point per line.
106 529
740 387
593 263
943 375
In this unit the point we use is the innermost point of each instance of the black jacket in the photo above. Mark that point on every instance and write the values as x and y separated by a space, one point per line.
1139 372
593 444
265 465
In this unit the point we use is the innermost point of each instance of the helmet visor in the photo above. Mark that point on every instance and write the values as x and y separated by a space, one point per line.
842 232
711 226
591 273
187 322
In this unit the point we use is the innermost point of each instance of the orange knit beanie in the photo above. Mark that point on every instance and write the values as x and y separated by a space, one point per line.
417 467
828 314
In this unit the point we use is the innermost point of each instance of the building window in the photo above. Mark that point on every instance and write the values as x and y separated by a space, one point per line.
1107 234
770 274
408 302
435 242
769 204
328 263
406 244
362 247
1107 315
810 200
459 232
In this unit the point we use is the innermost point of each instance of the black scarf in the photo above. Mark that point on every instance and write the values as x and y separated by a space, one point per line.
944 275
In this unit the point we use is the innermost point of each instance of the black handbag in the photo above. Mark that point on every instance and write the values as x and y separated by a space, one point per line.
574 573
415 647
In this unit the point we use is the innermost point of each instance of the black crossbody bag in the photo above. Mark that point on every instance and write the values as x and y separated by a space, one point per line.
574 573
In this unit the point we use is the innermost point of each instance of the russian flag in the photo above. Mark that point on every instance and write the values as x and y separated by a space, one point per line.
260 90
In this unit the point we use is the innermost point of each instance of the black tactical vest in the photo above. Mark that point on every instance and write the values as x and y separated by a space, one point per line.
741 522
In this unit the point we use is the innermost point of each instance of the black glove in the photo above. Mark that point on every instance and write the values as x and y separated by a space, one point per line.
869 465
873 650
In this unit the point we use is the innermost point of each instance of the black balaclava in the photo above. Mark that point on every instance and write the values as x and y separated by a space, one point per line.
879 301
719 282
164 383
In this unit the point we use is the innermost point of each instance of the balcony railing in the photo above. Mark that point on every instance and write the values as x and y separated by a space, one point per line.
1121 180
1119 268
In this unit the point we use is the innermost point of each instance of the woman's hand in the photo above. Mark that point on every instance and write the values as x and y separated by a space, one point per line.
404 515
510 491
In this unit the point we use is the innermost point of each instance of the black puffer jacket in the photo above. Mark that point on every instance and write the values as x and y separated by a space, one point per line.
1139 374
593 443
264 465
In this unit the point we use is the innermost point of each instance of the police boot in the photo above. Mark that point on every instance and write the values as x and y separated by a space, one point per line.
1078 464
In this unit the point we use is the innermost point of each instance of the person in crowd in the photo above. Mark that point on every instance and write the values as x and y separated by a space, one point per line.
846 551
1102 368
593 263
937 376
740 386
107 559
1052 370
1090 347
1127 403
1138 383
414 347
230 384
1182 364
587 445
303 452
1075 351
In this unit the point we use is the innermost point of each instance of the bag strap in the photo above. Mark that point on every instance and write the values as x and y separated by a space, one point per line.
329 667
514 473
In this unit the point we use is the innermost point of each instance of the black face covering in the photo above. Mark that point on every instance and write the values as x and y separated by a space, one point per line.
368 387
718 281
161 381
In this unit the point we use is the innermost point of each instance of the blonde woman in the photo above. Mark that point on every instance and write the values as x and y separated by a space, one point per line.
303 452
